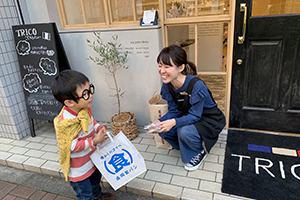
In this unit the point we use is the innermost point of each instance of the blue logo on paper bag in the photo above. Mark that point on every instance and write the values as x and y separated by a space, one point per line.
118 162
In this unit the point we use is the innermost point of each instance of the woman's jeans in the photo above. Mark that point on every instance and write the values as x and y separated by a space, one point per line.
89 188
186 139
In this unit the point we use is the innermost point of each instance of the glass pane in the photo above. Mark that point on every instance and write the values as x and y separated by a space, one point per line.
212 47
73 12
94 12
142 5
213 7
275 7
122 10
183 36
187 8
180 8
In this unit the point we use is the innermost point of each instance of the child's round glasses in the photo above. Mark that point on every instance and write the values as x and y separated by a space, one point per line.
86 93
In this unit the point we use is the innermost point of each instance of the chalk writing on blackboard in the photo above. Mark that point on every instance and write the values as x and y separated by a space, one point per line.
46 36
42 104
48 66
23 47
26 32
46 89
50 52
41 101
30 69
31 82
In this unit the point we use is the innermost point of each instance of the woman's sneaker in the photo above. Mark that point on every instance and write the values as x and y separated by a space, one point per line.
195 162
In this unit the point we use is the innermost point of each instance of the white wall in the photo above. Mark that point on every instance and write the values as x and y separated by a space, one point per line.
139 82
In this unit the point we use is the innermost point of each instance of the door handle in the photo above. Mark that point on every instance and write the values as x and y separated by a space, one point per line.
243 8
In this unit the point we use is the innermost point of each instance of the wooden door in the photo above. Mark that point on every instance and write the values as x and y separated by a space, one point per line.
265 92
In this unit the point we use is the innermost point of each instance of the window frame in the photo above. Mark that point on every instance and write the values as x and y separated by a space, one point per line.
108 15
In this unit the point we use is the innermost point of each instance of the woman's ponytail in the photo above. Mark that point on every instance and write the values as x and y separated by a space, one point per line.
190 68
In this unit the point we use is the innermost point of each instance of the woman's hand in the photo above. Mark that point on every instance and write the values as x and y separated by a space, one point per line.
166 125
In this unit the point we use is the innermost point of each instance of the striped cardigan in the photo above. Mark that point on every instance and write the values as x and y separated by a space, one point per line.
74 133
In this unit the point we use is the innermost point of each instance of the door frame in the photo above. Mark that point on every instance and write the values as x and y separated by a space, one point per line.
230 61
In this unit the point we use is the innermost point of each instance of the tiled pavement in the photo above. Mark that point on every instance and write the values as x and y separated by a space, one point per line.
164 179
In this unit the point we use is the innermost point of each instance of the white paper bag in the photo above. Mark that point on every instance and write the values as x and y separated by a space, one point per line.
118 160
157 110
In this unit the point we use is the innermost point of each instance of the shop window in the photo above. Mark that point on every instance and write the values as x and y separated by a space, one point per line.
194 8
94 11
183 36
211 44
122 10
209 50
73 12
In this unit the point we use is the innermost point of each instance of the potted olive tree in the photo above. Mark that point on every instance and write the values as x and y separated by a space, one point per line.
112 59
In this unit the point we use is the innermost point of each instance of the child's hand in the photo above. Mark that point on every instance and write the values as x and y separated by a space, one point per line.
100 136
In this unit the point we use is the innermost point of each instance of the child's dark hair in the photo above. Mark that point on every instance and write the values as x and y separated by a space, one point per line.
65 84
178 56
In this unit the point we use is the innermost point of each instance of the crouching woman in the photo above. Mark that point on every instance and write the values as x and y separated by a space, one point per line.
193 121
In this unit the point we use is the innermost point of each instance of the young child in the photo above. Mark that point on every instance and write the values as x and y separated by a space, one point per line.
75 132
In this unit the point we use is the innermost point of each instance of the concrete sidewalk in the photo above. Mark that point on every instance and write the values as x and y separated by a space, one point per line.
164 179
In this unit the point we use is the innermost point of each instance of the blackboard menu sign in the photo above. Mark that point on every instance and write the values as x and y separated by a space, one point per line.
41 57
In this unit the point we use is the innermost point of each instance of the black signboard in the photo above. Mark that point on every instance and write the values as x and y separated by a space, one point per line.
41 57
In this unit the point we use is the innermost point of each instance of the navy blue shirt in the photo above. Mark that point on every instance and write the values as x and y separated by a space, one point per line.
199 99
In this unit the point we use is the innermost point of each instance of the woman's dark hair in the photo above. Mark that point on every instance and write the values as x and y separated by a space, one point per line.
178 56
65 84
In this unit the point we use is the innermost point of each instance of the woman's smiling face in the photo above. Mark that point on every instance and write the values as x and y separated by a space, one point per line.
168 72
